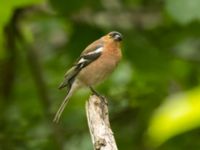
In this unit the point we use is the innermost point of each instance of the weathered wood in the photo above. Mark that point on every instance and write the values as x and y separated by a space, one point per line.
99 125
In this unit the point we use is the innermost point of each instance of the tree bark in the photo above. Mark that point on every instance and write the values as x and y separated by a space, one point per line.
99 125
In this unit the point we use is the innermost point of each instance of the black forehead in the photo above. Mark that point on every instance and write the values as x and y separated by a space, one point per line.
114 33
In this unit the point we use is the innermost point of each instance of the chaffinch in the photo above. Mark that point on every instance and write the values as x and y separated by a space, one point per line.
95 63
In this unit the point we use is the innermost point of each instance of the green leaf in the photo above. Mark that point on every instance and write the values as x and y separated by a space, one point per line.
183 11
6 11
180 113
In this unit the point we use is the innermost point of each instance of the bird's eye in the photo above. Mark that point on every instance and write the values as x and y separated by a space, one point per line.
110 36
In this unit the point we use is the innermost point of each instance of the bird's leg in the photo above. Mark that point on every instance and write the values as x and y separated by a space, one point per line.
94 92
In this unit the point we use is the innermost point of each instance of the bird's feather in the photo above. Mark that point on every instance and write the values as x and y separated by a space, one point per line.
84 60
75 85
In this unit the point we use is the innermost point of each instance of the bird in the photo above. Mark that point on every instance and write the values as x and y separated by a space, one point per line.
97 61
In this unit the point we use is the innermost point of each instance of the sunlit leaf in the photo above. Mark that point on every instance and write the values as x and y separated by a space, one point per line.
180 113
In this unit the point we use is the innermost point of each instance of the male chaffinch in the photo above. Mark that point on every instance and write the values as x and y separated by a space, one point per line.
95 63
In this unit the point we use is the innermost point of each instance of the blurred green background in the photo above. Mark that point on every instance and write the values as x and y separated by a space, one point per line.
154 95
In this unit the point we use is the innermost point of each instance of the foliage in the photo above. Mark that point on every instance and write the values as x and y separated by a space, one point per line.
178 114
153 95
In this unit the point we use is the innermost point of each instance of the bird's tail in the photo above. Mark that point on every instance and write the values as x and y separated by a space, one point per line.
65 101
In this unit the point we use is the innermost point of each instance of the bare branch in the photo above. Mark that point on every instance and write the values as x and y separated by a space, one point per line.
99 126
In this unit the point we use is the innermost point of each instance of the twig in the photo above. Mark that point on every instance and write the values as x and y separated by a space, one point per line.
99 126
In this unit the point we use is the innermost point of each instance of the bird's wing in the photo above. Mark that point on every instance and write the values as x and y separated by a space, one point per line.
86 58
90 54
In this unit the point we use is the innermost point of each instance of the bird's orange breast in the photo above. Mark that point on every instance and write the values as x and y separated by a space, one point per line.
98 70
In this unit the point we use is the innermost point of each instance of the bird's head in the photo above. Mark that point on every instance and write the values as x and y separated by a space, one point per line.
116 36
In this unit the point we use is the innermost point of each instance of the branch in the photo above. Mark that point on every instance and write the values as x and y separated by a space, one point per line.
99 126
